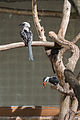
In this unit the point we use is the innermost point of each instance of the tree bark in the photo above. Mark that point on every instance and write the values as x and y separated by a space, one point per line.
68 106
22 44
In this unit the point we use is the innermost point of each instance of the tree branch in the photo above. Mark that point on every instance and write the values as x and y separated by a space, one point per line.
59 66
22 44
69 45
65 20
60 41
39 28
63 90
57 59
76 38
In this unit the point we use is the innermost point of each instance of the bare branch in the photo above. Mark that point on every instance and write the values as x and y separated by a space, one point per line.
63 90
57 60
69 45
39 28
11 46
58 64
68 113
22 44
65 20
58 38
76 38
60 41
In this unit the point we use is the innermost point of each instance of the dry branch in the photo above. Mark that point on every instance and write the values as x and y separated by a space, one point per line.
59 66
60 41
22 44
69 45
65 19
39 28
63 90
57 63
76 38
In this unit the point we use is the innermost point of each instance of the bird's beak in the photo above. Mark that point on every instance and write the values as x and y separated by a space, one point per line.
21 25
44 84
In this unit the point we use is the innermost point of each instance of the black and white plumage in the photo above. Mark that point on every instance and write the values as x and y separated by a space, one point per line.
50 80
27 36
73 82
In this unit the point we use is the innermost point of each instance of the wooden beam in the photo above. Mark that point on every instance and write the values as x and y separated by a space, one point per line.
28 111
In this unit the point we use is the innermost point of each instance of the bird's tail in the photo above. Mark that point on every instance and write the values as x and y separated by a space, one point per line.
30 51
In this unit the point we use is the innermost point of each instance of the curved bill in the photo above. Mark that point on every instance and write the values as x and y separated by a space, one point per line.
21 25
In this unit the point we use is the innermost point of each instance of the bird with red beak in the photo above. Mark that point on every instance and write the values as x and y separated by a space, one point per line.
50 80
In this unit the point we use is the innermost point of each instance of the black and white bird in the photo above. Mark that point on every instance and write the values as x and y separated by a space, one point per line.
50 80
73 82
27 37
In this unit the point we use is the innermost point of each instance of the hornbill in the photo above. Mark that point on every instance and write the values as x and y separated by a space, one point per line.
27 37
73 82
50 80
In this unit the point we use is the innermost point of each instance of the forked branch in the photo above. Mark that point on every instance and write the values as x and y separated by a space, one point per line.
57 63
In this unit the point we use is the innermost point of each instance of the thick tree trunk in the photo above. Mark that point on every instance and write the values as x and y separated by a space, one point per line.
68 106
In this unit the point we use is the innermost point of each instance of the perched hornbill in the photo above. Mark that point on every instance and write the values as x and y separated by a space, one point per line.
54 52
50 80
27 36
73 82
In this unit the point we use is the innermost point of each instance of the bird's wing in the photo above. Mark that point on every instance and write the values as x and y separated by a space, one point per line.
23 35
74 83
54 80
29 36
